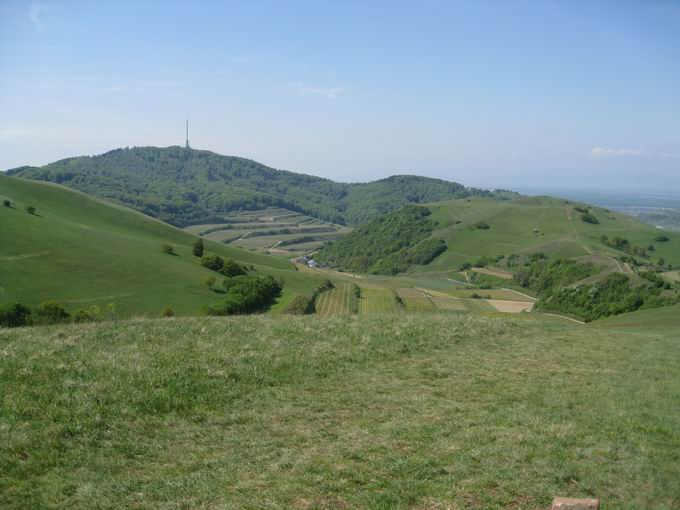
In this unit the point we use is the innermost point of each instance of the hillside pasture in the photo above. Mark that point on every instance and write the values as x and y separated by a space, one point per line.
444 411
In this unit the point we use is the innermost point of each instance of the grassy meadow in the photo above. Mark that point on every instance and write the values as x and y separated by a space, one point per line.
537 224
428 412
83 251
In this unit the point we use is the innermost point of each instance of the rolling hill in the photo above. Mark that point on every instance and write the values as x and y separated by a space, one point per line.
83 251
187 186
477 227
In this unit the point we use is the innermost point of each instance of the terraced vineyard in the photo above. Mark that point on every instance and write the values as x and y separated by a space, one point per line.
338 301
275 230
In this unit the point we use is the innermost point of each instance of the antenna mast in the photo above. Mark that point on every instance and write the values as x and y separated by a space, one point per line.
187 146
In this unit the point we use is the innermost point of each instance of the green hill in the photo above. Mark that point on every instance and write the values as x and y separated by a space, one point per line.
84 251
437 411
186 186
477 227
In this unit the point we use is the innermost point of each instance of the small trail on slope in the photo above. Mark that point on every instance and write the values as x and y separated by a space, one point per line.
573 228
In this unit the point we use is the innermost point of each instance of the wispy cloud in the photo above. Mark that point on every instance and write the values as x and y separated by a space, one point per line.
328 93
602 153
35 12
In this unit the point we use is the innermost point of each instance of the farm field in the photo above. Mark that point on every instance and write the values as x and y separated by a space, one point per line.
338 301
441 411
377 301
285 231
83 251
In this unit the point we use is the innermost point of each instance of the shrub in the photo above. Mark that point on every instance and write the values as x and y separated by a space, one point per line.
14 315
474 295
210 281
662 238
300 305
212 262
198 248
465 266
167 312
51 312
231 268
589 217
30 209
246 294
7 203
82 315
481 225
168 248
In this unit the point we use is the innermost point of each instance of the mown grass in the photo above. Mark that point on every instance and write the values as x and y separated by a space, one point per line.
443 411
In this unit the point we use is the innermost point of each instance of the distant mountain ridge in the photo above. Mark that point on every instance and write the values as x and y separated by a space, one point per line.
188 186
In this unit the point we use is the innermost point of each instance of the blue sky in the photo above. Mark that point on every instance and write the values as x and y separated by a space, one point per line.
487 93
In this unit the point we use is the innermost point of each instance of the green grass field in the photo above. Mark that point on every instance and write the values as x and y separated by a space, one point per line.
377 301
438 411
83 251
536 224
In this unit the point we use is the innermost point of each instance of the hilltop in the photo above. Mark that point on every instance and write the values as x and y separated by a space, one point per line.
187 186
83 251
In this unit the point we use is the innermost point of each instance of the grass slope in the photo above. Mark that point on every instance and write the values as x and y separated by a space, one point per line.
444 411
83 251
536 224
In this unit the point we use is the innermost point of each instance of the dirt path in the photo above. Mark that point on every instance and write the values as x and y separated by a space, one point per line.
573 228
520 293
492 272
563 317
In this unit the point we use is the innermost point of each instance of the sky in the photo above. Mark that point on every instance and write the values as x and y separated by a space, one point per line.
572 94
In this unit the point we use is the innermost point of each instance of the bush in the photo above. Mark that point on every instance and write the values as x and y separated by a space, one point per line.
212 262
167 312
82 315
198 248
30 209
168 248
481 225
589 217
246 294
7 203
662 239
210 281
14 315
465 266
300 305
231 268
51 312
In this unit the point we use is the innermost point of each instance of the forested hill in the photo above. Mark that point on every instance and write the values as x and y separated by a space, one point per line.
187 186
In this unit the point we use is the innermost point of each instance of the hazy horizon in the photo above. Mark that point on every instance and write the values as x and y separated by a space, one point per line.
489 94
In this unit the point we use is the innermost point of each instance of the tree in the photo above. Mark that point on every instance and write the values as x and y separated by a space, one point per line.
30 209
662 238
232 268
14 315
210 281
168 248
661 262
212 262
589 217
51 312
198 248
7 203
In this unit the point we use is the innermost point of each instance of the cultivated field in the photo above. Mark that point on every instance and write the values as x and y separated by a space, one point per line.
433 412
279 230
338 301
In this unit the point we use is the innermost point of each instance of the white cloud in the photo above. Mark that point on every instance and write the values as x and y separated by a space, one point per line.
36 10
328 93
602 153
599 152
